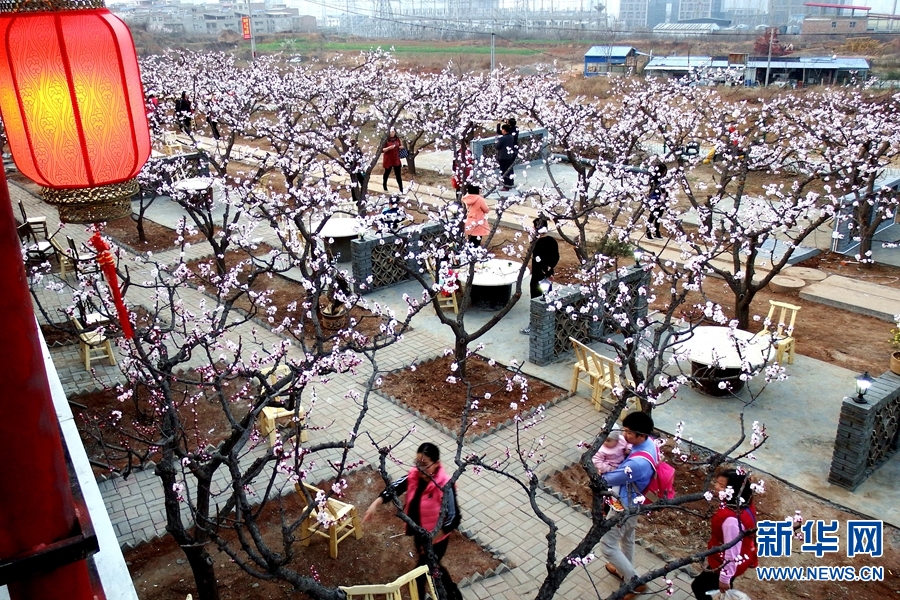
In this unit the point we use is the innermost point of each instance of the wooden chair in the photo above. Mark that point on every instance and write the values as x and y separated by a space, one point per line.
599 372
171 145
393 590
343 520
35 250
272 415
781 330
35 222
93 345
65 261
445 300
84 263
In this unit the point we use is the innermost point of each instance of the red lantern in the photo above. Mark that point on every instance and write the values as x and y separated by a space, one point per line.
73 106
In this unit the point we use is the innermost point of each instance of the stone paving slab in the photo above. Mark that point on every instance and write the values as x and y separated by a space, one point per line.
857 296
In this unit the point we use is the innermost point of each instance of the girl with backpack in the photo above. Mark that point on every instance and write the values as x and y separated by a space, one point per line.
736 515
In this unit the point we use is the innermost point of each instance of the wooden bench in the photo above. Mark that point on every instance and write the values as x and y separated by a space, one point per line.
393 590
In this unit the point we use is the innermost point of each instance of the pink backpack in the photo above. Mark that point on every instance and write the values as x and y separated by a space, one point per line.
662 485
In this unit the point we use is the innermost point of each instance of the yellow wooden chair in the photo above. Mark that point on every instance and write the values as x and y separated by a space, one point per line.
93 345
343 518
445 300
172 147
271 416
65 261
393 590
599 372
780 330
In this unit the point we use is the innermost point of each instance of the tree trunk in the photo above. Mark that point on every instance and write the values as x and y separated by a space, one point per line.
139 221
411 163
203 567
742 303
865 246
459 355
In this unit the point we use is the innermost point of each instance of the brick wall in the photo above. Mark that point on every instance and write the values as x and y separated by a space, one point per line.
834 24
551 327
867 434
385 273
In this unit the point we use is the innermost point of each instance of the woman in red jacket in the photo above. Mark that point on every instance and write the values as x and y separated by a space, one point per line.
736 515
390 158
425 486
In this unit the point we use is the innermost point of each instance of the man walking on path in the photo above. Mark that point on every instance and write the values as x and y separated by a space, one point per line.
631 477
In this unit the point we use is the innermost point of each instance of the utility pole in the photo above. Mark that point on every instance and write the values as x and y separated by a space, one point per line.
252 32
769 63
492 52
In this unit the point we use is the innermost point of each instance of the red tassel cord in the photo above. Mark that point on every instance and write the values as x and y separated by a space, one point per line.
108 266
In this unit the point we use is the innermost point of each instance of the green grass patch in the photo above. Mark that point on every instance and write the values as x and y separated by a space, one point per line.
301 47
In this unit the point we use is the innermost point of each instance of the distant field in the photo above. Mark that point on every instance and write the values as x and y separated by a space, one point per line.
396 48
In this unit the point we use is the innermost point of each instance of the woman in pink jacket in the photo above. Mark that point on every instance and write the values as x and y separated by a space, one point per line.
390 158
425 486
476 215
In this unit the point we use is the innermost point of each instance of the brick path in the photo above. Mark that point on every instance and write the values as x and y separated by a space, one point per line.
493 509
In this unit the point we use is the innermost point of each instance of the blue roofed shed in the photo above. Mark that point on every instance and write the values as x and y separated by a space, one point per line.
609 59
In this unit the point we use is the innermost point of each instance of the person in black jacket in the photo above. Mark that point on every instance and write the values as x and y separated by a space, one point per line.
513 128
184 113
543 260
507 152
656 200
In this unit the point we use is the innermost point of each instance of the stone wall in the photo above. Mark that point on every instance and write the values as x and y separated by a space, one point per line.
551 327
386 258
867 434
532 146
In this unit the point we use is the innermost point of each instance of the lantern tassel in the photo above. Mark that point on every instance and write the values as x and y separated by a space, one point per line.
108 266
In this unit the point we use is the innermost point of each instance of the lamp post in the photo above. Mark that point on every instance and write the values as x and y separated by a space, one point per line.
73 108
863 383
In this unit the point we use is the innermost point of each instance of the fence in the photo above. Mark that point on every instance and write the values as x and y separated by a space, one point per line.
532 146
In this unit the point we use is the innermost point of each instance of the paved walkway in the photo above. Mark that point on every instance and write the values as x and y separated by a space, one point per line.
492 508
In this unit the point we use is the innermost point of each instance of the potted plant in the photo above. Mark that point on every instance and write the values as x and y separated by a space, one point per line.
333 312
895 344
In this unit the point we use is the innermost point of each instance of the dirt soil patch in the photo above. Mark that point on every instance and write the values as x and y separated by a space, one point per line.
58 334
683 532
427 389
284 292
160 571
158 237
838 264
108 425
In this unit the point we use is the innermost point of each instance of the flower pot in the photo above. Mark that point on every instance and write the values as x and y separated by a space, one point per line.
333 321
895 362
